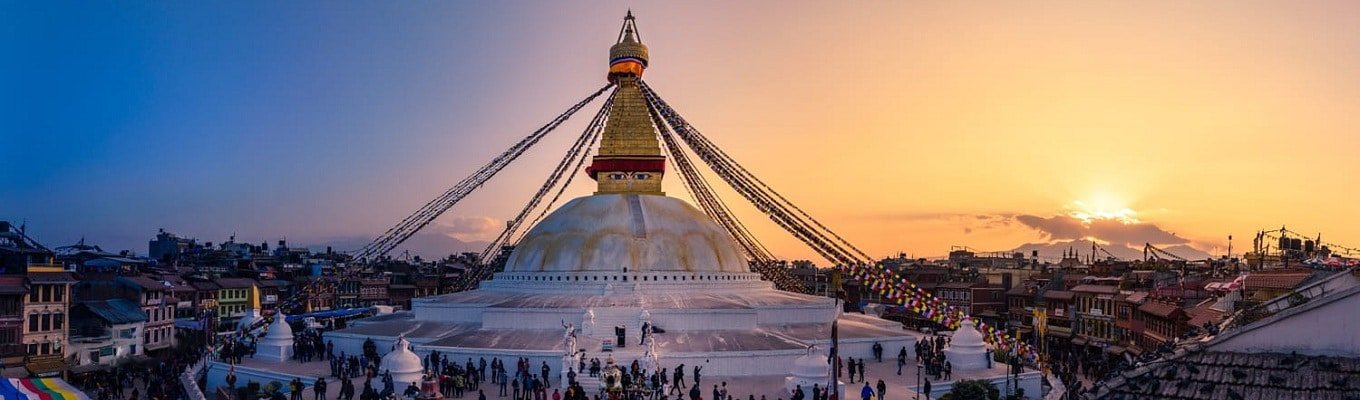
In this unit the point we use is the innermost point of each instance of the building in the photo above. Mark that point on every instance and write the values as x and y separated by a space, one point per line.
1094 317
46 308
157 303
107 332
234 297
167 247
1295 346
373 292
1129 322
205 295
1058 305
13 288
1163 322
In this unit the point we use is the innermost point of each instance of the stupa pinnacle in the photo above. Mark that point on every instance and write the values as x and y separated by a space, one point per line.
629 160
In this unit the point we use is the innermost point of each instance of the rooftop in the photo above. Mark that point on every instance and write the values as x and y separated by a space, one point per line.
115 311
1101 289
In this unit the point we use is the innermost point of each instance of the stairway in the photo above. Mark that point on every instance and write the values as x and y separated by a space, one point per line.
608 318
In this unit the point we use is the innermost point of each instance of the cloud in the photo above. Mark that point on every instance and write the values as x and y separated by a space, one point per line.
467 228
1063 227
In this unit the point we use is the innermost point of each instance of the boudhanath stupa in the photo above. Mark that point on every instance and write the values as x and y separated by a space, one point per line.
626 256
597 272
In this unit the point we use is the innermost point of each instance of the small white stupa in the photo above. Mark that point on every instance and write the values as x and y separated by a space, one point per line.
404 365
811 369
967 351
277 344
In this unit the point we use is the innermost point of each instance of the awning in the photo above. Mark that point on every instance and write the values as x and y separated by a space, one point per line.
1079 341
1115 350
45 365
39 389
189 323
330 313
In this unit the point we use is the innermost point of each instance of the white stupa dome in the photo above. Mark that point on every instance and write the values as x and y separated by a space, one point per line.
967 351
808 370
401 358
639 232
279 328
404 365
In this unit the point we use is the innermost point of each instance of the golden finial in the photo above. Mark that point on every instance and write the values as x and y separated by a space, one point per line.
628 56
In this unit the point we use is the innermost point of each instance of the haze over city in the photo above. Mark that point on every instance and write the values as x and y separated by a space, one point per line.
905 126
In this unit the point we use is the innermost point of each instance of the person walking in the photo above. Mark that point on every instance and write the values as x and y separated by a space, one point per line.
319 389
882 389
346 389
866 392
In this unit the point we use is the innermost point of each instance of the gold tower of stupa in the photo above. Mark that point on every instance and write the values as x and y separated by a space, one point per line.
629 160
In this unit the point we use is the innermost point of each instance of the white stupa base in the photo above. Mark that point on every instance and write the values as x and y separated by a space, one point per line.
274 351
967 359
400 380
807 383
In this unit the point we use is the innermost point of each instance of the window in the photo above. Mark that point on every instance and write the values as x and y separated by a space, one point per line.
47 322
129 333
58 320
59 292
32 322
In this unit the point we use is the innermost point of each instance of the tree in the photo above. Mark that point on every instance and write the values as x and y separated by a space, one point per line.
972 389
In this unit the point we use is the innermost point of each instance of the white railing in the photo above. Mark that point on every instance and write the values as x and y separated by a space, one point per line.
1056 391
189 379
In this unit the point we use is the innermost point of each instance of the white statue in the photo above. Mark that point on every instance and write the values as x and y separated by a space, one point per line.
588 322
569 338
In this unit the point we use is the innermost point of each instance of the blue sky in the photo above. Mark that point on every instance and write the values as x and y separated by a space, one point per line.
267 119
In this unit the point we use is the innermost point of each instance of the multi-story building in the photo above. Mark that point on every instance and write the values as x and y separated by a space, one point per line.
12 291
107 332
347 294
1020 303
205 295
1163 322
426 285
46 308
373 291
1095 313
154 298
233 298
319 297
1059 306
1128 321
168 247
957 294
400 295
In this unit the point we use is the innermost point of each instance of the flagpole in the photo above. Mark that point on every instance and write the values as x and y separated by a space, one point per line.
835 338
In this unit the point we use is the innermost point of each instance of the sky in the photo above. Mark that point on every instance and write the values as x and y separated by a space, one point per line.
904 126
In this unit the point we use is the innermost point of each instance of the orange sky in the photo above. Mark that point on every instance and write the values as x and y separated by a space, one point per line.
897 124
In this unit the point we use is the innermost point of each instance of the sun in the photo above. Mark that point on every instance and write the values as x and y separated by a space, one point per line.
1101 207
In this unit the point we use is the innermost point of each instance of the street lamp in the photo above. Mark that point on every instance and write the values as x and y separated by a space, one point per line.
918 381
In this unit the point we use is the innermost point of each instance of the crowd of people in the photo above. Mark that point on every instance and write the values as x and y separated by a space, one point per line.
930 355
157 380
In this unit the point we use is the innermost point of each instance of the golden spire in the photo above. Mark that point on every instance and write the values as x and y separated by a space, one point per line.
629 160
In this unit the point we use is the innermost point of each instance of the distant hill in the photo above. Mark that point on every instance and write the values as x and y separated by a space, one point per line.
1053 251
430 246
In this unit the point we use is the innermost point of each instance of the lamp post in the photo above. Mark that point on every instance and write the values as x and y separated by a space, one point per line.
918 381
